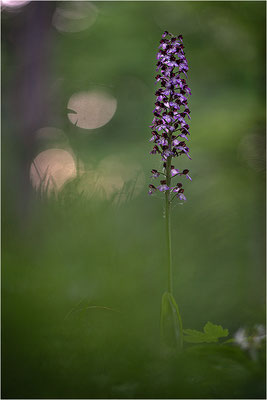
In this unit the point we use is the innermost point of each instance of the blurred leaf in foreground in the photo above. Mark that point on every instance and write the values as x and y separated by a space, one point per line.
211 333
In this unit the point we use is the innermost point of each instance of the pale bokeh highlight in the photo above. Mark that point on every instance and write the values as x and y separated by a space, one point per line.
74 16
51 169
11 4
91 109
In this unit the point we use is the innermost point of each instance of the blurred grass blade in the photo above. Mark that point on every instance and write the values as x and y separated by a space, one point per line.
171 322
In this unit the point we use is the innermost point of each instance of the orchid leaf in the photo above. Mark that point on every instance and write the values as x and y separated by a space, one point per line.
171 323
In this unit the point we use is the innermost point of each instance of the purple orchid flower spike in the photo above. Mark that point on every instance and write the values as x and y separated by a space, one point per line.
170 135
170 129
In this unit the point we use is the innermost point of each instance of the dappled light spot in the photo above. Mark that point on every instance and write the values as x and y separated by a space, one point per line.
13 4
92 109
115 179
74 16
51 169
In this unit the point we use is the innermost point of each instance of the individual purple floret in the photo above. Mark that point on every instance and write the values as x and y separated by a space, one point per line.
185 172
152 189
170 130
163 187
155 173
177 188
174 171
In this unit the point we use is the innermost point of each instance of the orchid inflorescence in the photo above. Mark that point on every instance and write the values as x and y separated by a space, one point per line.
169 128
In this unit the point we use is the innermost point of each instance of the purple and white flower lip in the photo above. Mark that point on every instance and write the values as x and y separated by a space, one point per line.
152 189
170 129
155 150
177 188
155 173
185 172
181 196
174 171
163 186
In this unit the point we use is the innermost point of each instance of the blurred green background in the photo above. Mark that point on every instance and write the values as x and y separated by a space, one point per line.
84 267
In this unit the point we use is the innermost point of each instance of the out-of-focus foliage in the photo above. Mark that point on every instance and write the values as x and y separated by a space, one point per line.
83 272
211 334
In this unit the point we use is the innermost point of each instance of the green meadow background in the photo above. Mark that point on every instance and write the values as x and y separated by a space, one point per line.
83 270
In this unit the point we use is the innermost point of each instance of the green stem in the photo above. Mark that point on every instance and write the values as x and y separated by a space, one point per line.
168 212
168 223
